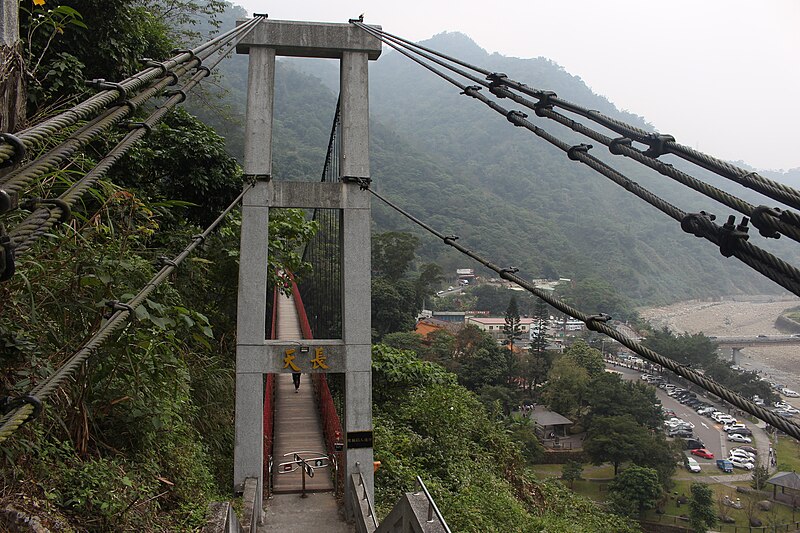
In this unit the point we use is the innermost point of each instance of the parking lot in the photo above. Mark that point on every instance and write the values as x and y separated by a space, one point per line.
706 429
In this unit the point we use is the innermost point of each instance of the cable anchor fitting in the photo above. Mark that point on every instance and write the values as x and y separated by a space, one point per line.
731 236
7 264
19 149
509 270
658 145
163 261
362 182
697 223
517 118
763 218
9 403
102 84
66 211
9 200
544 103
471 90
172 92
138 125
450 238
116 305
359 19
593 321
203 68
572 153
615 145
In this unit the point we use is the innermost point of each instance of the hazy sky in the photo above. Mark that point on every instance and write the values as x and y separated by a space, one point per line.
722 76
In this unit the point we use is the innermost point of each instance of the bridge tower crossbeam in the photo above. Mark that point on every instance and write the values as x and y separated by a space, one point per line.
256 356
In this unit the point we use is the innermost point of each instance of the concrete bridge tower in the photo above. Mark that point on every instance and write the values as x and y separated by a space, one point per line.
351 355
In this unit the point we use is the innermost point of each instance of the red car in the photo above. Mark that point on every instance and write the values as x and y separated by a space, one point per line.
702 452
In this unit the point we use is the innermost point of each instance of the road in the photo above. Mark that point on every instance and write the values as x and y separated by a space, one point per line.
709 432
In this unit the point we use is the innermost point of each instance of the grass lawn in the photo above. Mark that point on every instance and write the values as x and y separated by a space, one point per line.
788 451
779 514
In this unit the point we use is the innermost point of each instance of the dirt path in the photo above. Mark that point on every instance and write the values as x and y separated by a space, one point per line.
728 317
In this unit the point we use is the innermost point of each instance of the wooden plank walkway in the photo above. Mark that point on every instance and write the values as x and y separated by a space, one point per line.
297 428
297 425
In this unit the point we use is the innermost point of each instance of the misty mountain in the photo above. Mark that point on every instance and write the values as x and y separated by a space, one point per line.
508 194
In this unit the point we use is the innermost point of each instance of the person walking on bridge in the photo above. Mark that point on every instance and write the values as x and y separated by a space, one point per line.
296 379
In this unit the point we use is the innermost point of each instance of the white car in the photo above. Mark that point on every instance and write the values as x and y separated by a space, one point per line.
731 427
727 420
742 456
716 414
739 464
791 410
735 437
790 393
705 410
781 405
692 465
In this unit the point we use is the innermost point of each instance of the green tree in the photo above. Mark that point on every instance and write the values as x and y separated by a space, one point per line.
571 472
586 357
539 336
566 386
609 395
392 253
701 508
615 439
759 477
535 366
634 491
393 306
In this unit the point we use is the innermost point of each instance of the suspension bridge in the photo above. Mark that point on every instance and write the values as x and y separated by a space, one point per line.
292 442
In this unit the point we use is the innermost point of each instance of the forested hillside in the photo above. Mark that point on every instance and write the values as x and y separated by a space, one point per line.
507 193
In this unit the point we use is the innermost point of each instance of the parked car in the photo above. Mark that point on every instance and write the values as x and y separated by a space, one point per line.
743 455
735 437
692 465
748 449
730 427
702 452
727 419
681 433
716 414
694 443
742 464
705 410
790 393
724 465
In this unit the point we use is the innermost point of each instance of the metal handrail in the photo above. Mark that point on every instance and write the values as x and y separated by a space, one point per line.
432 506
366 498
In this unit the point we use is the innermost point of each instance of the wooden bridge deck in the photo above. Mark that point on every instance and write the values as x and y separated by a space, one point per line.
297 428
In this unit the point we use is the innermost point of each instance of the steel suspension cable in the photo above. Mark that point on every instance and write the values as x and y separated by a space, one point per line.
730 238
657 142
13 147
121 312
599 324
767 220
14 182
43 218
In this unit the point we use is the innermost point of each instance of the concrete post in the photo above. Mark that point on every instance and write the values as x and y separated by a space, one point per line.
251 307
356 244
12 68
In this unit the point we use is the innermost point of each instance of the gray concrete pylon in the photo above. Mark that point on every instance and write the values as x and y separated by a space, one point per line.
254 354
356 267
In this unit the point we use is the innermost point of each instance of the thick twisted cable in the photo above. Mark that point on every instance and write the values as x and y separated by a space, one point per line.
42 219
753 180
13 420
792 230
767 264
593 323
34 135
62 153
